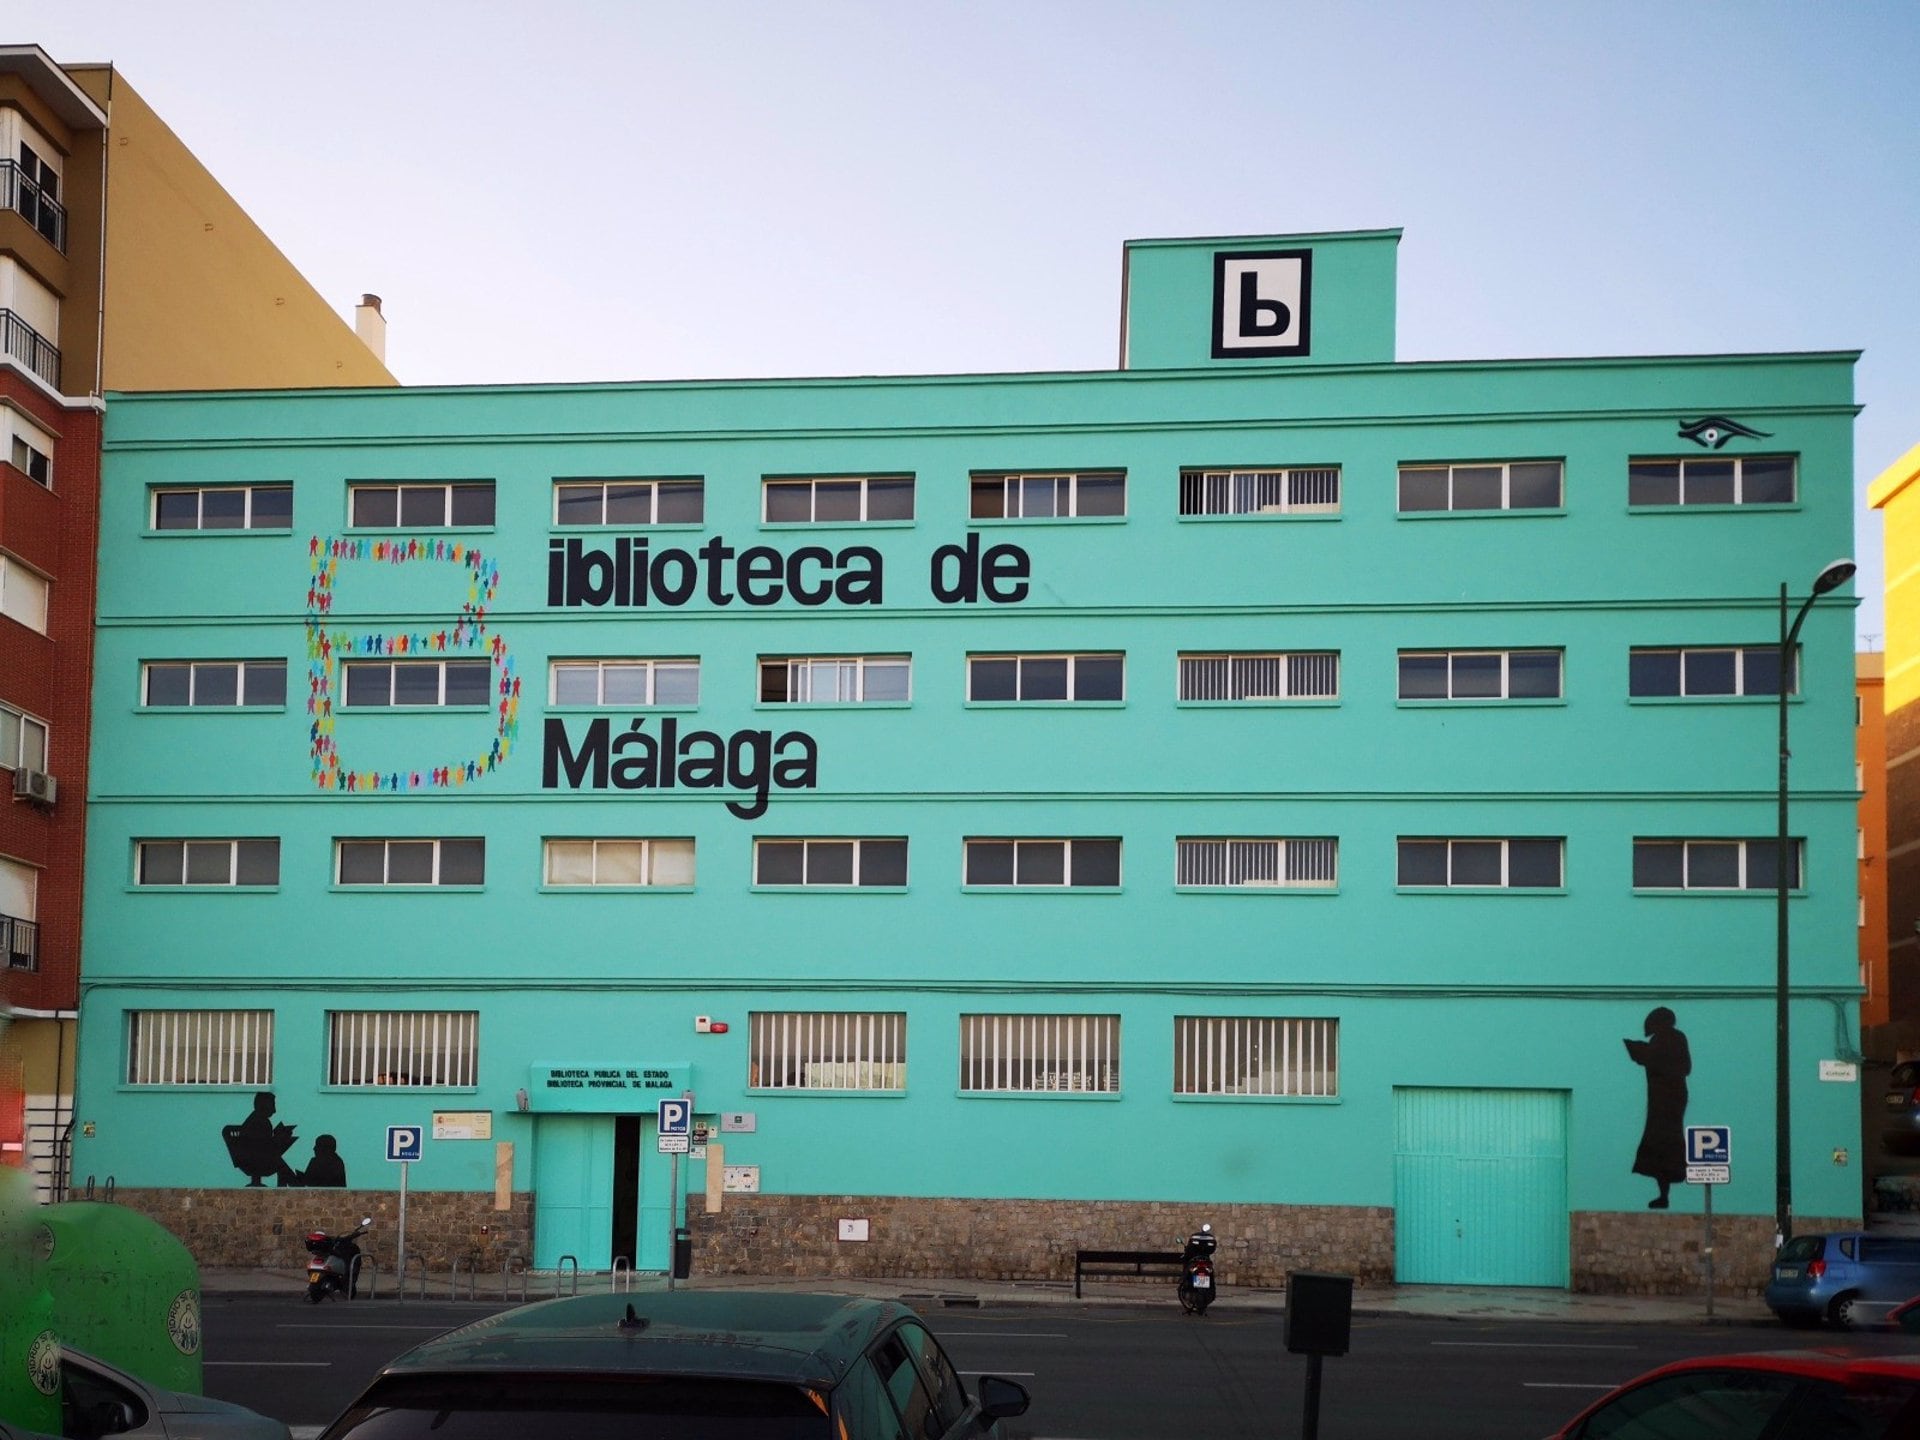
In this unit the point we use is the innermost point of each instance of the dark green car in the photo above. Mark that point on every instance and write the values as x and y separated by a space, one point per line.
720 1365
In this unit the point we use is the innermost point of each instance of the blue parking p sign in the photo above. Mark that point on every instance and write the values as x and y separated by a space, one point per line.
676 1117
403 1142
1709 1144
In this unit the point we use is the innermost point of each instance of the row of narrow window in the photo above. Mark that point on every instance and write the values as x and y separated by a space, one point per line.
1423 488
1048 862
1243 1055
1092 676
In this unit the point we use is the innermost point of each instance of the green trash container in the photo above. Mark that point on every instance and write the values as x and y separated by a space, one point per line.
124 1289
29 1348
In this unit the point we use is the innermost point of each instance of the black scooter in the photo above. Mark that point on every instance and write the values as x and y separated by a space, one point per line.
333 1263
1197 1287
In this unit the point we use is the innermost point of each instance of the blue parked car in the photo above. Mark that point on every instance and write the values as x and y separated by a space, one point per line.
1849 1279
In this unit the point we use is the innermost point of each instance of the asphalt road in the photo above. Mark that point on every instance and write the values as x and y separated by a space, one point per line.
1133 1373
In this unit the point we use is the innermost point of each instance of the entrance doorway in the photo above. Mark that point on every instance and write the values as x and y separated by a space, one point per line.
596 1194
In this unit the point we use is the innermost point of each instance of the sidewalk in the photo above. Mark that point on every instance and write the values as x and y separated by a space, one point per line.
1468 1303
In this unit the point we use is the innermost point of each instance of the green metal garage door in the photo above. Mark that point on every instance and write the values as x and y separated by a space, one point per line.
1480 1187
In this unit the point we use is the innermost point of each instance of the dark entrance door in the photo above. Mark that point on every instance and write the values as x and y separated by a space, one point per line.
626 1186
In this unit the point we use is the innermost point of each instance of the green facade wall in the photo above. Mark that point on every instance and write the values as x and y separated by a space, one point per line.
1503 990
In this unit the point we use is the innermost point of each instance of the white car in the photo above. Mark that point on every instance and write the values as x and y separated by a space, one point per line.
97 1400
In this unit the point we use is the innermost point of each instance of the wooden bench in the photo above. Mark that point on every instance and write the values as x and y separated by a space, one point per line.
1120 1262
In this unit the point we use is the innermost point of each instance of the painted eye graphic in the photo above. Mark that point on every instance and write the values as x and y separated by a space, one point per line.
1715 430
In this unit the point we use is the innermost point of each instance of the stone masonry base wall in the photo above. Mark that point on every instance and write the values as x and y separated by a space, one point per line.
1611 1252
262 1228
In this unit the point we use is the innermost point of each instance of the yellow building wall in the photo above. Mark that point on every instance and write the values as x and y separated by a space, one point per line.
197 296
1897 496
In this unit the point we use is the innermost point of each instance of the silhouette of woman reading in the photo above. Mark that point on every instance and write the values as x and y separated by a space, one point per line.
1662 1155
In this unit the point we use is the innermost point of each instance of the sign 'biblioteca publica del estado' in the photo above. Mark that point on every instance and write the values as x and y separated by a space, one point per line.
631 573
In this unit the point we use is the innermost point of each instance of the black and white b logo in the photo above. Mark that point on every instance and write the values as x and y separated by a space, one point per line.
1260 301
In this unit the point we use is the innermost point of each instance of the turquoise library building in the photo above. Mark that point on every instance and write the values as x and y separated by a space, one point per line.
931 825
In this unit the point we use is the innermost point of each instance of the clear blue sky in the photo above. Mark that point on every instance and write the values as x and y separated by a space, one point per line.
591 191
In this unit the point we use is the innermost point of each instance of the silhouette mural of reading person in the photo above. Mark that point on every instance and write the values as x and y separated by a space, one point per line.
1662 1155
326 1167
258 1147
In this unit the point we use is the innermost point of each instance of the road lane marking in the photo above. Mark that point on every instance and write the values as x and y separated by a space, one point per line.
1522 1345
1014 1334
275 1364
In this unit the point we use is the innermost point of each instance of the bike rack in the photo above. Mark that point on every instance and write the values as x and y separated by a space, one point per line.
622 1269
406 1264
368 1270
507 1272
560 1265
472 1262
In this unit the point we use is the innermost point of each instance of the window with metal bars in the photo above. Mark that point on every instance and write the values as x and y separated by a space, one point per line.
1280 864
1266 676
439 1048
827 1050
1255 1055
1313 490
679 500
199 1047
1040 1054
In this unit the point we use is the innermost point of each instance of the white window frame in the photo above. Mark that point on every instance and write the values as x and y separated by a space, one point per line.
1024 1054
19 918
1505 467
412 1049
387 842
18 580
807 842
832 1051
1739 653
16 753
199 1047
394 664
194 667
1238 1056
1506 674
25 436
654 851
768 483
206 846
603 483
200 527
1739 463
1292 673
1012 483
1505 842
1250 490
446 521
1796 859
1073 659
650 665
798 672
1066 869
1266 863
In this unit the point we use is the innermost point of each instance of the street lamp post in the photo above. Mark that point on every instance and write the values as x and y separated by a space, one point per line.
1834 576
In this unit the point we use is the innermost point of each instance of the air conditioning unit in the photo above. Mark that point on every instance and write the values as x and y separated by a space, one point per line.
35 785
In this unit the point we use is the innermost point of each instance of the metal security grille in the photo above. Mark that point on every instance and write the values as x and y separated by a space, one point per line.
827 1050
1255 1055
1259 492
1036 1053
1302 864
403 1047
199 1047
1297 675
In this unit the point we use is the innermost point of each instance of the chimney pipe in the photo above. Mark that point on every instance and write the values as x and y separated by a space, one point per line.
371 326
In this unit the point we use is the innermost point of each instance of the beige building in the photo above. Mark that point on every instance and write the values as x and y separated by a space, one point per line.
123 266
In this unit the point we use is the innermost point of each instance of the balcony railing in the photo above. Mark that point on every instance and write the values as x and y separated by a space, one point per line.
19 943
43 212
27 345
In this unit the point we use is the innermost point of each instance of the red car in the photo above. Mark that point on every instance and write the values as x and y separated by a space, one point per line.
1787 1395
